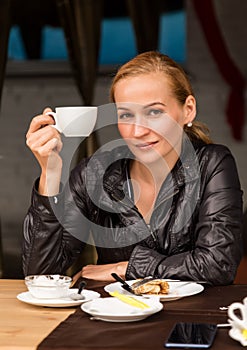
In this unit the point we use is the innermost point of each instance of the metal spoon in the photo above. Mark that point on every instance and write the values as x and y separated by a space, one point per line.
78 296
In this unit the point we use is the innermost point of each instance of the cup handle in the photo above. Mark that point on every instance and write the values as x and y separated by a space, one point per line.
56 125
241 322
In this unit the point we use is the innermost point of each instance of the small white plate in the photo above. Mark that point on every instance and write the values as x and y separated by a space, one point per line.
177 290
27 297
113 310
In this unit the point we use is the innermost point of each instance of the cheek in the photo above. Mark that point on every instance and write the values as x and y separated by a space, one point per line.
165 127
124 130
170 131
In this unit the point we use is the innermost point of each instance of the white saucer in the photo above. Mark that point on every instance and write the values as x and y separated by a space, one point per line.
177 290
113 310
27 297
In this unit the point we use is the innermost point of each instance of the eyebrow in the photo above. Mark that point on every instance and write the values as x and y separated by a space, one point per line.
155 103
148 105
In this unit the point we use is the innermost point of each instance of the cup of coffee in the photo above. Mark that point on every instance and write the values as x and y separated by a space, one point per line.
75 121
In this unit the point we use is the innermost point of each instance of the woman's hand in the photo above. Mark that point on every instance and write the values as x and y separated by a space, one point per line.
45 143
102 272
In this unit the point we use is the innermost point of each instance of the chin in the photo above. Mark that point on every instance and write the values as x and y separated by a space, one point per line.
148 157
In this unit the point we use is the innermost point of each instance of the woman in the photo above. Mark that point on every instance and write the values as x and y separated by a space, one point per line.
167 203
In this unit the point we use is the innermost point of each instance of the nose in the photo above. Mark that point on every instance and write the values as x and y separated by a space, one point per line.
140 128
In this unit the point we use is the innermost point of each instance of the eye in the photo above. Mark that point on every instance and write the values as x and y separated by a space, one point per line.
154 112
125 116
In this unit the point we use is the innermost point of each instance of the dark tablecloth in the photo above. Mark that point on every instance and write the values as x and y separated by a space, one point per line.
78 332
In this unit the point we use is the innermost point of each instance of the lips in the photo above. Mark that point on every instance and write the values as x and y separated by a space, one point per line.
146 145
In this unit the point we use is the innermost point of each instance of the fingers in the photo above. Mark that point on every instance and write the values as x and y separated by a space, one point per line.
40 121
77 276
47 148
47 110
41 138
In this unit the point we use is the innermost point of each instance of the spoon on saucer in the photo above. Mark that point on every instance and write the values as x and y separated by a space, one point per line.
78 296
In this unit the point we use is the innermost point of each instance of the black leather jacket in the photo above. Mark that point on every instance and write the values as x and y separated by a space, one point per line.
195 231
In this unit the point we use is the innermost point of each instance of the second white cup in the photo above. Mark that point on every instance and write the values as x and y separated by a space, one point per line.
237 312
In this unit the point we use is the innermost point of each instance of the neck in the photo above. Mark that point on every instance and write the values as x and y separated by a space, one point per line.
154 173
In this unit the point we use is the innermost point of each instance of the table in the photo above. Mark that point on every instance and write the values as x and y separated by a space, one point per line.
24 326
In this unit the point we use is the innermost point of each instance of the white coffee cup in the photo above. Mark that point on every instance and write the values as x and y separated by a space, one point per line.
237 313
75 121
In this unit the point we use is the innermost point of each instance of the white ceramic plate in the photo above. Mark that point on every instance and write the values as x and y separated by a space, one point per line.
177 290
113 310
27 297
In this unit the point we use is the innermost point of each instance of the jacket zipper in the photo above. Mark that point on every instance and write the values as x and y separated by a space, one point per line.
153 234
136 210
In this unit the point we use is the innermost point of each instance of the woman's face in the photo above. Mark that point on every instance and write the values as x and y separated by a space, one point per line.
150 119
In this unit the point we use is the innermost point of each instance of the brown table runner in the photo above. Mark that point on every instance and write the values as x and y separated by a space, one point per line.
209 300
78 332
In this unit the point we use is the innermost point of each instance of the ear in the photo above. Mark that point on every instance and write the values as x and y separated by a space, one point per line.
189 109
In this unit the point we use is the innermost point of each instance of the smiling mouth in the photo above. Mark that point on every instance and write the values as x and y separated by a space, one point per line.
146 145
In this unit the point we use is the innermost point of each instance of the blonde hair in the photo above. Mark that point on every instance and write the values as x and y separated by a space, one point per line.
154 62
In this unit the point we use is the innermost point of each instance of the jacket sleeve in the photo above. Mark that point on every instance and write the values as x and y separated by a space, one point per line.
49 243
217 249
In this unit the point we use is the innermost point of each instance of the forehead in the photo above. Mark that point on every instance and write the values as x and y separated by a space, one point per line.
143 88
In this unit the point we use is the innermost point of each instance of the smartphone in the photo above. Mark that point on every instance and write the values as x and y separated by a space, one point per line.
191 335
